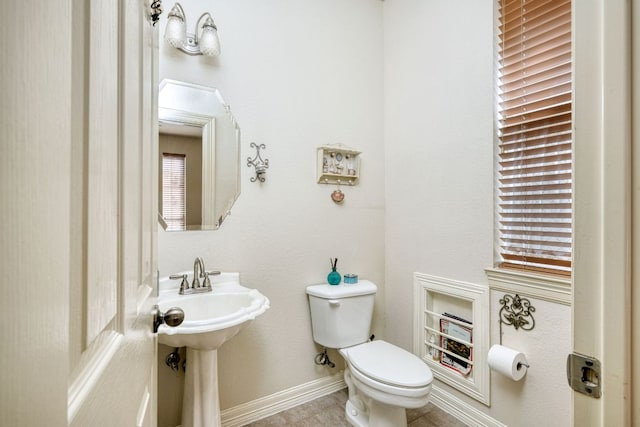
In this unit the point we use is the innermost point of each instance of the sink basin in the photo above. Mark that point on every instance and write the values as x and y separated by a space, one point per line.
210 318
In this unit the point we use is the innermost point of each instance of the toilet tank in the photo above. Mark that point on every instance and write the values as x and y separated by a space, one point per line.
341 315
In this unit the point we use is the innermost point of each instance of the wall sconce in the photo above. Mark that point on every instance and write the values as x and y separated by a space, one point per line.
204 41
257 162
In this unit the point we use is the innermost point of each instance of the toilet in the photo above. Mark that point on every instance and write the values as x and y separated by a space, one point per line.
383 379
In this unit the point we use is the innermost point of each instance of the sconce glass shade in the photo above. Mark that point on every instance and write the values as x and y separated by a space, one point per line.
175 32
208 41
204 41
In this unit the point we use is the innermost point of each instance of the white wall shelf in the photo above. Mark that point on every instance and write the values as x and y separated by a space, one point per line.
451 319
338 164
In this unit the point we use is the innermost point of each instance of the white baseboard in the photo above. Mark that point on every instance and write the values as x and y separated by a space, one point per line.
461 410
270 405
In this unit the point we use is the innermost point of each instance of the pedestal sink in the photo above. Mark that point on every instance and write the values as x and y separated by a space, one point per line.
210 319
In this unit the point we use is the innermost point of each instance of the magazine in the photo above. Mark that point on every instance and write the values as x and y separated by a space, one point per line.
456 330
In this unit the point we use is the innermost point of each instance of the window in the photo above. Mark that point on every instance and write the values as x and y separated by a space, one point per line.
534 122
174 207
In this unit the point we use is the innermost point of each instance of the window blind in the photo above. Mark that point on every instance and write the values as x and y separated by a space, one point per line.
535 135
174 207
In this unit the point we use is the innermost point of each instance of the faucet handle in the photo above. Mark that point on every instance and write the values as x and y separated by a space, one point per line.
184 285
207 282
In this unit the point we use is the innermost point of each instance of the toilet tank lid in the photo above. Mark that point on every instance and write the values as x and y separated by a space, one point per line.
363 287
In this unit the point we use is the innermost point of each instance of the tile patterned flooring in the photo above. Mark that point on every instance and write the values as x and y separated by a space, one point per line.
328 411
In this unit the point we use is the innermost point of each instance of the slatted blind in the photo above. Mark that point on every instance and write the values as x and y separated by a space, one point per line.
174 206
534 135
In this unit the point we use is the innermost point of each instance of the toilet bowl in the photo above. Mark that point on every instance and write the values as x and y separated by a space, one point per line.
383 379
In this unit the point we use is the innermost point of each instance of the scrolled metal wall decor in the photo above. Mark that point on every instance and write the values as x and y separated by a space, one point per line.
516 311
156 11
261 165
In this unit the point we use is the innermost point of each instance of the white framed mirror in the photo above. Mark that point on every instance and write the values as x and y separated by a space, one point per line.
199 157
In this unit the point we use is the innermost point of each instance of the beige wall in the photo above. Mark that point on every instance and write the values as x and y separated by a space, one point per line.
297 75
439 102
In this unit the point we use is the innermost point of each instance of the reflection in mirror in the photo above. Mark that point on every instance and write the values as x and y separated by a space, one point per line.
199 157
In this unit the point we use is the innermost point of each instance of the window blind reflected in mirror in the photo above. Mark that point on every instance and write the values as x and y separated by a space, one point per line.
174 191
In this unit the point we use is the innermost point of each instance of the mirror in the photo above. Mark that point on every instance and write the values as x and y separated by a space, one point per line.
199 157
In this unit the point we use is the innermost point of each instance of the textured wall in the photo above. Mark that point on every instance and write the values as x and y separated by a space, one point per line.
439 102
438 147
297 75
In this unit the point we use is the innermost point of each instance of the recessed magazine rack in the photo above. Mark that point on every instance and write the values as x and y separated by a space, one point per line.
451 332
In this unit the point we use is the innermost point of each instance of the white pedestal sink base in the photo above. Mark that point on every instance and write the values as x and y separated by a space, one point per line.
210 320
201 404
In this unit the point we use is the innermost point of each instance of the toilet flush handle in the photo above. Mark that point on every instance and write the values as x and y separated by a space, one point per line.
334 303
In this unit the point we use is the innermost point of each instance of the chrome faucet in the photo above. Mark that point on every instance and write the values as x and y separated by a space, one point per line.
198 272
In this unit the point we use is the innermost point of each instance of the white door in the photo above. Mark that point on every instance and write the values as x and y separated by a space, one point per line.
602 322
112 347
77 186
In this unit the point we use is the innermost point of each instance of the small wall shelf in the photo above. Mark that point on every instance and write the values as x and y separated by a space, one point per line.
338 164
451 332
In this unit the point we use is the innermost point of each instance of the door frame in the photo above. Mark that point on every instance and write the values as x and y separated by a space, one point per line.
602 325
635 211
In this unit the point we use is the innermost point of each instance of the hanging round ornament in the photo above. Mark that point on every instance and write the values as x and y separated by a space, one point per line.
337 196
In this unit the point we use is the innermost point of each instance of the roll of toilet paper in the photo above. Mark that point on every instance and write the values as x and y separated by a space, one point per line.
507 361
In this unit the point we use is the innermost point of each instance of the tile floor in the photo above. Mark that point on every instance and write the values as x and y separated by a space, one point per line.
328 411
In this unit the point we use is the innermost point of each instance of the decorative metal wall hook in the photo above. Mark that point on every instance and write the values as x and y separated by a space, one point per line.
517 312
155 12
259 163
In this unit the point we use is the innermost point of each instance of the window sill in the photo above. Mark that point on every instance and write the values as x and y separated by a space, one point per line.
540 286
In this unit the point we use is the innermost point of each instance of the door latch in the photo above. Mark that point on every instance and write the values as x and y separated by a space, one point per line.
583 374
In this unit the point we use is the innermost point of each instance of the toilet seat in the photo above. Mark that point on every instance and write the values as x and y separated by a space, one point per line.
389 369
